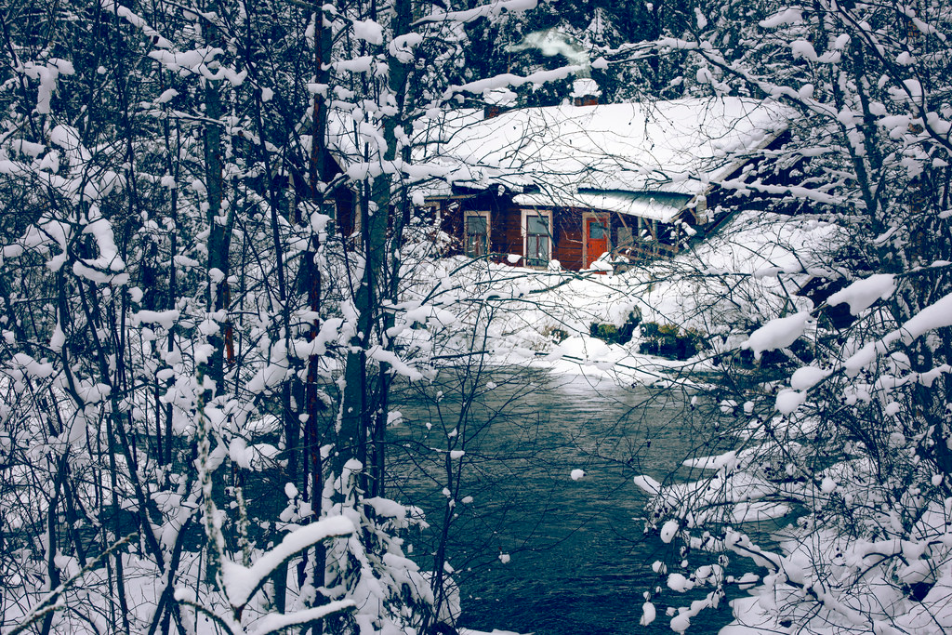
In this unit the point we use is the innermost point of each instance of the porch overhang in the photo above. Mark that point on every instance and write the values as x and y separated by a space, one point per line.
657 206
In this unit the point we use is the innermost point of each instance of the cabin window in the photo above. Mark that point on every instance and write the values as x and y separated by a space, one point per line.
477 234
538 247
597 229
624 237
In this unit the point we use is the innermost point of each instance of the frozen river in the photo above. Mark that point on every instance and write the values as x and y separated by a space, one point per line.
578 560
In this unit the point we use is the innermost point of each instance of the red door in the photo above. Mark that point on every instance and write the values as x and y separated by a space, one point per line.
595 232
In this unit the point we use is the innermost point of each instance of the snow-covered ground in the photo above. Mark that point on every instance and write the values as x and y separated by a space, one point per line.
721 288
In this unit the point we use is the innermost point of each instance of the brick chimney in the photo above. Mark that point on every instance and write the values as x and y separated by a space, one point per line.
498 101
492 110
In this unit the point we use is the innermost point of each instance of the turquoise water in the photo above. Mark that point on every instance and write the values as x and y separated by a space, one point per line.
579 561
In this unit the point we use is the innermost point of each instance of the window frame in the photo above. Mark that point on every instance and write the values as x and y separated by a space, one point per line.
488 235
547 214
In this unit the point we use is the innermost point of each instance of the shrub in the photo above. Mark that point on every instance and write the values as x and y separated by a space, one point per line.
669 341
557 335
612 334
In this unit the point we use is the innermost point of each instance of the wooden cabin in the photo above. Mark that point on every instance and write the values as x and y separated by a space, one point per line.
490 225
574 183
500 227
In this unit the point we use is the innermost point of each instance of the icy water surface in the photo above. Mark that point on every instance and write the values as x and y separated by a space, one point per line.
578 560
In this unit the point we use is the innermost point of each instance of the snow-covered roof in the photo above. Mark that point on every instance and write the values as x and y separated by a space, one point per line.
660 207
590 156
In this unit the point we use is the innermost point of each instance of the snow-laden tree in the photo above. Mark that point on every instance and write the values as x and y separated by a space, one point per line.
196 364
846 426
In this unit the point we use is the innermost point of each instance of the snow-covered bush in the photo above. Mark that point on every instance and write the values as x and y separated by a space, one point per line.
192 354
850 439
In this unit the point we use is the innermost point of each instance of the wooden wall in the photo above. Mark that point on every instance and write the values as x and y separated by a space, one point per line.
568 238
506 230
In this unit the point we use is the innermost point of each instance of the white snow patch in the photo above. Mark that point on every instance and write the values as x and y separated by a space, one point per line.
778 333
369 31
648 484
789 400
807 377
787 16
863 293
648 614
803 49
678 582
165 319
668 531
241 582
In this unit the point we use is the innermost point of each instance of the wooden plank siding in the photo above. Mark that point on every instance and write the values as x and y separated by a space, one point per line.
568 237
506 230
345 211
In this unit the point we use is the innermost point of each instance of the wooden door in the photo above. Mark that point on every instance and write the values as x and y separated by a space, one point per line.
595 232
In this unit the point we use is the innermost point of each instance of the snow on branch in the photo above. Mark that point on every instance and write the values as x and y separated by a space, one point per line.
275 622
863 293
241 583
52 601
48 74
487 10
935 316
136 21
779 333
742 187
387 357
505 80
